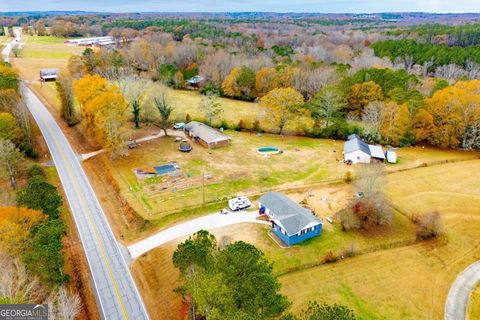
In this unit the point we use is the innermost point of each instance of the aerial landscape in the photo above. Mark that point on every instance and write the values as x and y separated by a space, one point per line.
275 160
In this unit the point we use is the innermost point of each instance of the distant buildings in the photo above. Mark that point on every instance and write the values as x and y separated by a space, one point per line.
48 74
205 135
90 42
357 151
290 222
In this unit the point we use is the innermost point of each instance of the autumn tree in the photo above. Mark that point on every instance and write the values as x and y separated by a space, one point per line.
240 83
9 129
371 208
16 226
361 94
210 107
281 106
67 99
103 109
456 115
395 122
8 78
10 160
265 81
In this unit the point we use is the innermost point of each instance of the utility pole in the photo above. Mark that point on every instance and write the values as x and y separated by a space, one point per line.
203 186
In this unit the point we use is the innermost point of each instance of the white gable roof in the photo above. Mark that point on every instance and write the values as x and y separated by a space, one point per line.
376 151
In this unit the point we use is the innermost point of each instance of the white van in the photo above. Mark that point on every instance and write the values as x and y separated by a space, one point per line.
239 203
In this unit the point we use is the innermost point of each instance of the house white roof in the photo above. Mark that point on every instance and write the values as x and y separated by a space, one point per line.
376 151
206 133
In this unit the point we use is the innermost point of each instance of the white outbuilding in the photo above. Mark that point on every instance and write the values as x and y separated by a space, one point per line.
357 151
391 156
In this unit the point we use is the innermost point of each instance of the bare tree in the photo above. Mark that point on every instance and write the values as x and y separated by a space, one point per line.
63 306
10 158
210 107
15 284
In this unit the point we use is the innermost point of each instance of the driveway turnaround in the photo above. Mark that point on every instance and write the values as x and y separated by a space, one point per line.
457 299
116 293
211 221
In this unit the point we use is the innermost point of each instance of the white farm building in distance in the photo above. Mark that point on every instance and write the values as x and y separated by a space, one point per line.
357 151
89 42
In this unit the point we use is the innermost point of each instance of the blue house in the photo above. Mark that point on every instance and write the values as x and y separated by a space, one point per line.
290 222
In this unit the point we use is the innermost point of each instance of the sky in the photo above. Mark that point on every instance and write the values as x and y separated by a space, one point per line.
322 6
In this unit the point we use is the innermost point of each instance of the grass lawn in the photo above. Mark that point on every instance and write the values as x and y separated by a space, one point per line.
239 169
43 52
409 282
187 102
236 169
48 48
474 305
392 278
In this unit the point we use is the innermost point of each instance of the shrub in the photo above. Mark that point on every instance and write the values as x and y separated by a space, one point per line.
187 118
329 257
429 225
256 126
224 124
211 88
323 311
35 170
241 125
348 177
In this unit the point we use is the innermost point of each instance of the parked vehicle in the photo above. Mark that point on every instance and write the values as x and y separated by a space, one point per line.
224 211
179 126
239 203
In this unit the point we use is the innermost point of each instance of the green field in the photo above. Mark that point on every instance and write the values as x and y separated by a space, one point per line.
48 48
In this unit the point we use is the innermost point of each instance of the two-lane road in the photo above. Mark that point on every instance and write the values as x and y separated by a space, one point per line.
115 288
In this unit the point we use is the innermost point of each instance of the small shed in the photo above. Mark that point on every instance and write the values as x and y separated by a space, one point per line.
391 156
48 74
290 222
206 135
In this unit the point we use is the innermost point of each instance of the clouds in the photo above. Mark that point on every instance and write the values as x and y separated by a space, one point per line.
332 6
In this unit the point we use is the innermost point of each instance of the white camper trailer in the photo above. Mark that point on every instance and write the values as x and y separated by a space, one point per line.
239 203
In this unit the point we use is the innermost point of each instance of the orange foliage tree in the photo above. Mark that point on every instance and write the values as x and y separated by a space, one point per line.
15 227
361 94
103 108
456 115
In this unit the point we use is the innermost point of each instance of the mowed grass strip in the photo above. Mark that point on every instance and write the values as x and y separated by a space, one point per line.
48 48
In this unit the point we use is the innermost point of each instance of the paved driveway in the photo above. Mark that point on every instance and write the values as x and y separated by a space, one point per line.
211 221
116 292
457 299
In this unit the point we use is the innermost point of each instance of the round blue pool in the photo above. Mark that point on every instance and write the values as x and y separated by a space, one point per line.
268 150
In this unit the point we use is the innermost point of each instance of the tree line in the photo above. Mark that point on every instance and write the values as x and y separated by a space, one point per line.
451 35
435 55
